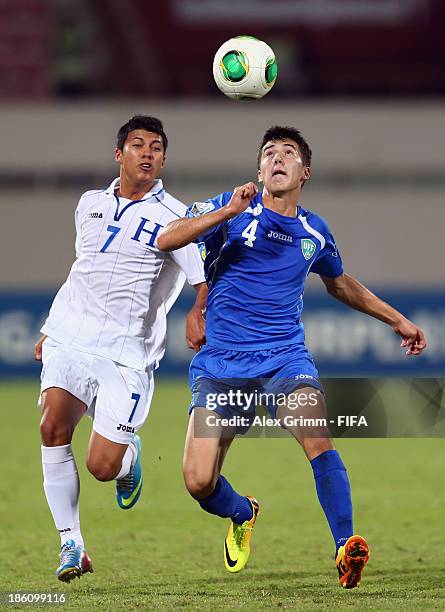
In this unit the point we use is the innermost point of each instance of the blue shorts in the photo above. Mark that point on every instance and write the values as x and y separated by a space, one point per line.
218 373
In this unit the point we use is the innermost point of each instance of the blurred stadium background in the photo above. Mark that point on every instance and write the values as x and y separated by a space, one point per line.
365 82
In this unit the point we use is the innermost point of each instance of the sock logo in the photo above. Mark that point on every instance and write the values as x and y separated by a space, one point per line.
127 428
64 530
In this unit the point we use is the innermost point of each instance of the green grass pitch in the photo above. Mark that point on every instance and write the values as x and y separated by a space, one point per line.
166 553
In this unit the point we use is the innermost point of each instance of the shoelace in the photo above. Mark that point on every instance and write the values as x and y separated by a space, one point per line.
68 554
126 482
239 532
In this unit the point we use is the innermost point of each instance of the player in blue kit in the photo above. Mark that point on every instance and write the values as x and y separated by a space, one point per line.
259 251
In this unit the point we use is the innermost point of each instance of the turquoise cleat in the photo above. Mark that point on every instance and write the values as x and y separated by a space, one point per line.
74 562
128 488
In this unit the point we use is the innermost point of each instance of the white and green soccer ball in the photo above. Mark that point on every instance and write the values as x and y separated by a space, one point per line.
245 67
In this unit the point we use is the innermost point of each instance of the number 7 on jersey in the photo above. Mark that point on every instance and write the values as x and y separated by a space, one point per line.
114 232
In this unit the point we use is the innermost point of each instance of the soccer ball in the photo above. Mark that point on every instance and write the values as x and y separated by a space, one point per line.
245 67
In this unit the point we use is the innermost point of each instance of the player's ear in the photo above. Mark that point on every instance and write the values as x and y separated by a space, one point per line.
260 178
118 154
306 173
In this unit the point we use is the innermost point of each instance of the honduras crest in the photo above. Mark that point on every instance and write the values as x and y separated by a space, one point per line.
308 247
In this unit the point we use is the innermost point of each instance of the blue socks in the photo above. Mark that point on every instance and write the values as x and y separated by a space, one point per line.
334 494
226 502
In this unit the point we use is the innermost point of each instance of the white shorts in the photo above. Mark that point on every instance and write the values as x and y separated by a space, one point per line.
117 397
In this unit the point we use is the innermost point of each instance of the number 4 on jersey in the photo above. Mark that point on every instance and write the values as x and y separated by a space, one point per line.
249 233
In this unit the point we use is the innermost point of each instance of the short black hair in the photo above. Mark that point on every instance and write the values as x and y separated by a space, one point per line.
277 132
141 122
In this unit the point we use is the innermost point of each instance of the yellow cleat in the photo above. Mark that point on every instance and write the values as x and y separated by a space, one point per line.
237 542
351 560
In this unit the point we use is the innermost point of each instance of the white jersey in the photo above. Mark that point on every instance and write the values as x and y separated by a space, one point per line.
115 300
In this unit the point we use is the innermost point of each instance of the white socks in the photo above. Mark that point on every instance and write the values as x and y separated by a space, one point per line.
62 489
127 460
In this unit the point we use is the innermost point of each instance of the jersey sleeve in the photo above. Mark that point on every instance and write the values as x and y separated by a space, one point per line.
328 261
78 242
201 208
83 206
190 261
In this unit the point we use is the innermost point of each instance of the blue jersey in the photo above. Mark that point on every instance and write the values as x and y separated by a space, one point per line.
256 265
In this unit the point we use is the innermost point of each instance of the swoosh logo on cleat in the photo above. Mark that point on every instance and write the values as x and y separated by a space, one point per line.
342 569
126 501
230 563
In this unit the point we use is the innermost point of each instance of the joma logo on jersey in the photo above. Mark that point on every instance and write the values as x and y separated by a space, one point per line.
127 428
95 215
308 248
278 236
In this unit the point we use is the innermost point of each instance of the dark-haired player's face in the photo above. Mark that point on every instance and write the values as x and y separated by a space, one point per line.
281 167
142 157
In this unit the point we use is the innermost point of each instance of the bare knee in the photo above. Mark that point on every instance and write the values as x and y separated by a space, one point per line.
200 483
316 446
60 415
55 432
103 470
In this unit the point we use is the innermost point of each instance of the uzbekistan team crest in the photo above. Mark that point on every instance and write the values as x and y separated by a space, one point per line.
308 247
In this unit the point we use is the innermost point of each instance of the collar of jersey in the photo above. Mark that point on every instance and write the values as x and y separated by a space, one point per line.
156 191
258 199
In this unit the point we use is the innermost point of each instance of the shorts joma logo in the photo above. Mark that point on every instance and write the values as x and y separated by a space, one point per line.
95 215
127 428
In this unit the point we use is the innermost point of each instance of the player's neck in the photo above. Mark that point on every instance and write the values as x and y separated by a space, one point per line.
133 191
285 203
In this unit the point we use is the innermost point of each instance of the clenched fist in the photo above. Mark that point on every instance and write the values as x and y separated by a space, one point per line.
240 199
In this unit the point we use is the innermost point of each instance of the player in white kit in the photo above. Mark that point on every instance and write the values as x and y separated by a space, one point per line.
105 332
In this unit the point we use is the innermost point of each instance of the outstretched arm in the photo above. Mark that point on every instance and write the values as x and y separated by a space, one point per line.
179 233
351 292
